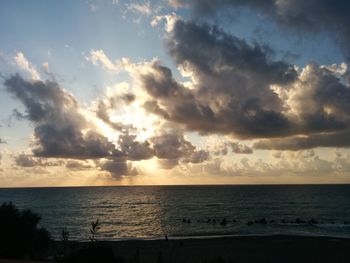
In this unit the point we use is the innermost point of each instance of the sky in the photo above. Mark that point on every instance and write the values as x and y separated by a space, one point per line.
113 92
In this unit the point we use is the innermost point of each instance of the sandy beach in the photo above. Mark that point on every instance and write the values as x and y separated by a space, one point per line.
235 249
242 249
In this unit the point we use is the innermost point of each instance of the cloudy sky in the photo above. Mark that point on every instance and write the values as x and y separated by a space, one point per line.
108 92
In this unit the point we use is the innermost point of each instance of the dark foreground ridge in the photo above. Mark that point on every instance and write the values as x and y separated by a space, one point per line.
245 249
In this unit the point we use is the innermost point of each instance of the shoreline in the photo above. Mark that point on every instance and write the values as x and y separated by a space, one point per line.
210 236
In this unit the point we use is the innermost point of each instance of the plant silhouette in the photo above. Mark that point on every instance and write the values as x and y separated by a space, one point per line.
95 227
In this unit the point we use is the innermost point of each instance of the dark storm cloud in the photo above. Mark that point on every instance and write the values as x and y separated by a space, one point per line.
128 98
321 102
164 86
172 148
339 139
58 124
299 15
59 127
78 165
240 148
134 150
232 94
25 160
212 51
62 131
168 163
118 167
324 100
235 147
239 90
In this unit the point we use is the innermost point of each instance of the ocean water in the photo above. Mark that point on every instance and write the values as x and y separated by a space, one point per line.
184 211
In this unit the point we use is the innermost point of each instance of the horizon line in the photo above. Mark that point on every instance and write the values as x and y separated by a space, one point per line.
172 185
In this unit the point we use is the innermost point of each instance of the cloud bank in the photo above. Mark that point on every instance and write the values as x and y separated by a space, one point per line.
64 130
228 87
299 16
238 89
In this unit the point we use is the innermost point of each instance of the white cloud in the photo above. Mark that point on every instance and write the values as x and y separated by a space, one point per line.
46 67
170 21
92 7
98 57
144 9
24 64
176 3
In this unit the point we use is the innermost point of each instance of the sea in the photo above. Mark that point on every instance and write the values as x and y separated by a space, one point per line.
151 212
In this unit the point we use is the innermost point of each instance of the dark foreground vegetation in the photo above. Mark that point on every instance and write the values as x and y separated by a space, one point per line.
22 238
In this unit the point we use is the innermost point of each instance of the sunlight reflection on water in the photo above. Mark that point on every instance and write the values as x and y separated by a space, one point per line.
152 212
